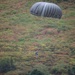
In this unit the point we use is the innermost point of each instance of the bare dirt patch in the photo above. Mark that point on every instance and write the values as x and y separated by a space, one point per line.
48 32
70 18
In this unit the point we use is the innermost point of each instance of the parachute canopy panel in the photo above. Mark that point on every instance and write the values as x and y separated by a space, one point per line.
46 9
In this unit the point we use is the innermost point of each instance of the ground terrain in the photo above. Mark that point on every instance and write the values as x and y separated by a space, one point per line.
22 34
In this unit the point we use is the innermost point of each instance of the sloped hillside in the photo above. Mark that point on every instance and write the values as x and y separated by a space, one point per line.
22 35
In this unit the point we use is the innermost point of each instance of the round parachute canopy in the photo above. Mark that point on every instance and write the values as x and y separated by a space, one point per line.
46 9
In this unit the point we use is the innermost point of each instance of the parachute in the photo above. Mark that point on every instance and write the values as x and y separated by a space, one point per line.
46 9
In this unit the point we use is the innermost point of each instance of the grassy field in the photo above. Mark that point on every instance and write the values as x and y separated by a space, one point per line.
22 34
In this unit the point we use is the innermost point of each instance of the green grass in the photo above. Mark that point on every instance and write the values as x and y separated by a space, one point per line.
3 6
22 34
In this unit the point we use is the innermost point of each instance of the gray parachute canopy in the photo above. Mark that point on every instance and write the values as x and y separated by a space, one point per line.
46 9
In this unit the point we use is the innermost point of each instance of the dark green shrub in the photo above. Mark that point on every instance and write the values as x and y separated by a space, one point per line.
6 64
36 72
60 69
58 0
71 71
39 69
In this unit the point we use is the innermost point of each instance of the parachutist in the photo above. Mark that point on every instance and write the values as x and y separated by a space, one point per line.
36 53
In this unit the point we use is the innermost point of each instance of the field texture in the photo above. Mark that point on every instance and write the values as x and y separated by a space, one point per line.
22 35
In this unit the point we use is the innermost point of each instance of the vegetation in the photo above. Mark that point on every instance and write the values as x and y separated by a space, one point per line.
71 71
60 0
61 69
6 65
23 34
39 69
